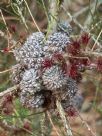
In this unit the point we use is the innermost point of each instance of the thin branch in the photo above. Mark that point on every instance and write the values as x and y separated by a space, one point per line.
53 10
86 124
4 21
9 90
8 70
80 12
32 16
10 18
7 127
43 125
49 116
45 10
8 33
79 25
96 40
96 25
65 122
5 71
90 53
13 128
12 42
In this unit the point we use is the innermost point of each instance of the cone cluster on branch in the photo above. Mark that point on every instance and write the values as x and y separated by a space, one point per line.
41 70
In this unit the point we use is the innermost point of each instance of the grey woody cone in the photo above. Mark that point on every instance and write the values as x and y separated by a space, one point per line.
31 50
38 83
17 73
76 102
71 87
31 100
53 78
56 42
30 81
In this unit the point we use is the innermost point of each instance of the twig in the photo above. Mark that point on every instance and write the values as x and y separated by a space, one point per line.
10 18
13 42
17 9
8 70
53 9
8 33
91 13
45 10
66 56
72 18
7 127
65 122
32 16
90 53
5 71
80 12
4 21
85 123
42 124
49 116
9 90
96 40
79 25
93 27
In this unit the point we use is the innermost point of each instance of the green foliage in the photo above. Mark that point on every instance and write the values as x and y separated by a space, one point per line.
2 26
21 111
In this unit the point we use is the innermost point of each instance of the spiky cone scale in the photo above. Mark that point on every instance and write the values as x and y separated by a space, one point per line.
69 90
32 100
76 101
56 43
41 100
16 73
31 50
73 104
30 86
71 87
53 78
30 81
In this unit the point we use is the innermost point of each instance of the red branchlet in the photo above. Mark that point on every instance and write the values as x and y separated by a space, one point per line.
64 68
47 63
6 50
73 71
8 109
78 77
84 61
13 28
74 61
75 74
7 104
99 64
57 57
85 38
74 47
27 125
79 63
8 98
71 112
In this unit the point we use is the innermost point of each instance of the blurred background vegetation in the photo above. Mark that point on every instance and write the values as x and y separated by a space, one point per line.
16 23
